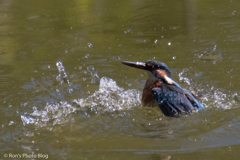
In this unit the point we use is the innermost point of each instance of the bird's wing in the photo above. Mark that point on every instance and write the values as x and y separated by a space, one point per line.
172 101
191 97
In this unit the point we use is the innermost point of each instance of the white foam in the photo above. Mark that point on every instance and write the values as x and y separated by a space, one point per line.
109 98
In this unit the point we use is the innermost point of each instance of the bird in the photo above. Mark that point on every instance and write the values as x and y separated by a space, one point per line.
161 89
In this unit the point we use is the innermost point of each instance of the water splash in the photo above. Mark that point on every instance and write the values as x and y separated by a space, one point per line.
51 115
62 76
211 55
182 78
214 48
110 97
218 99
211 97
94 75
90 45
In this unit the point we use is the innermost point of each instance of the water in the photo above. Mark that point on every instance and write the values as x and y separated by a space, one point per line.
66 95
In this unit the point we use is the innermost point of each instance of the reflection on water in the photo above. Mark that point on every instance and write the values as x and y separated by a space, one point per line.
65 93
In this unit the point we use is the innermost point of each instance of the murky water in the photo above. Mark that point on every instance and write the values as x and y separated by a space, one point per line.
66 95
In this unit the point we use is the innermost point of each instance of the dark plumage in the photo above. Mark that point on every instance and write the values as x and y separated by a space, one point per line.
170 97
172 102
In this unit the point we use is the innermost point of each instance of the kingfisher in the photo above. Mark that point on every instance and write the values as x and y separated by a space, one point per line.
162 90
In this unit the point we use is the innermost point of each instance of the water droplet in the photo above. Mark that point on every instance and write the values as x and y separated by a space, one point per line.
215 47
70 90
169 43
87 56
80 67
119 44
90 68
174 57
84 79
66 51
62 76
125 31
90 45
11 123
156 41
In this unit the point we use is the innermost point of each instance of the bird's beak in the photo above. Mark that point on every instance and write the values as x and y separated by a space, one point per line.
139 65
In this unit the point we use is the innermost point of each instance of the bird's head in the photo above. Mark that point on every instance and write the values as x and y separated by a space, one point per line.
158 69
